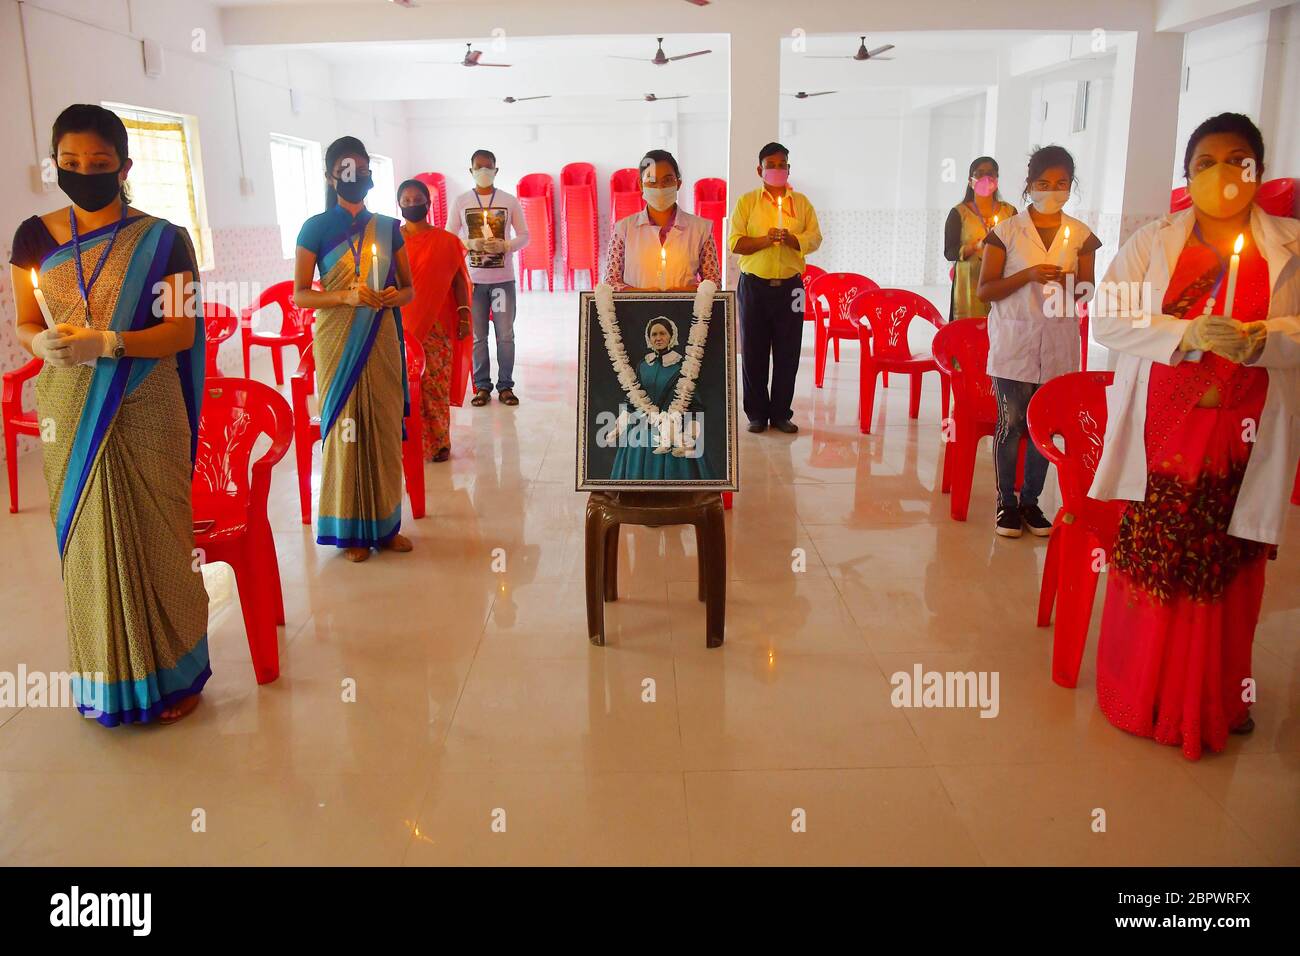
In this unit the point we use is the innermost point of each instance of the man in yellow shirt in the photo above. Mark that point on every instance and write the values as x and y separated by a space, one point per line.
772 229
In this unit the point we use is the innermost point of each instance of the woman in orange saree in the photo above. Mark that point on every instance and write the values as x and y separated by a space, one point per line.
438 317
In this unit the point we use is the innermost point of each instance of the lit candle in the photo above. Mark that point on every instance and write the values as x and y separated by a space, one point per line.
663 266
1233 265
45 309
780 212
1065 248
486 229
374 266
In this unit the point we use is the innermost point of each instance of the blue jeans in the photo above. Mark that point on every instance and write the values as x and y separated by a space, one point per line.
1013 402
499 299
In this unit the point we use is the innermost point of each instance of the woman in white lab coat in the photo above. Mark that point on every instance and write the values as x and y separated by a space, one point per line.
1201 439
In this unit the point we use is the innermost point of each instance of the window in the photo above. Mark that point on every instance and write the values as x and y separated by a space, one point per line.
383 198
296 167
166 177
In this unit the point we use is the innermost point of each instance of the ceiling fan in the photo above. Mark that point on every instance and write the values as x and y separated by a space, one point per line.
471 59
660 58
862 54
651 98
801 95
520 99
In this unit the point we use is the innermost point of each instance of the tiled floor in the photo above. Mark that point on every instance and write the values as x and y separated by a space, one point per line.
487 730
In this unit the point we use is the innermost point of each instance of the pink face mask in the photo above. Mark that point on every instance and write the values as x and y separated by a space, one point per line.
776 177
985 185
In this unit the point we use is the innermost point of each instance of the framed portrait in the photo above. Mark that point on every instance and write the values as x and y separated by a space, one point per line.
657 393
487 223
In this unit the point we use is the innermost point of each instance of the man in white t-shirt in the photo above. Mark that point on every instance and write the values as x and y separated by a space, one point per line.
484 218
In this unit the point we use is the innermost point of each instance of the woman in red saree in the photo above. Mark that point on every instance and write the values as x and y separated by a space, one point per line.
438 317
1203 398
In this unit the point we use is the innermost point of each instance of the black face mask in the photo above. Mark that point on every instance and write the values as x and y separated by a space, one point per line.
356 189
416 213
90 191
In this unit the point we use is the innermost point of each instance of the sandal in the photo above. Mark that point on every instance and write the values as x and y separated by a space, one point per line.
481 397
1245 727
442 455
399 543
506 396
356 555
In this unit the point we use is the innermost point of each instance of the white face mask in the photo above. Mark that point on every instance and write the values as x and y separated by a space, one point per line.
483 177
1049 201
660 199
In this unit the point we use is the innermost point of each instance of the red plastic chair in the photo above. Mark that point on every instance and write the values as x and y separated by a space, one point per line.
961 350
810 272
1073 408
17 421
1295 492
230 520
437 184
1277 197
306 429
625 197
888 313
537 200
295 327
829 296
581 244
219 324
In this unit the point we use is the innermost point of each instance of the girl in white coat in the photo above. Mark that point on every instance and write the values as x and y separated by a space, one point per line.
1201 440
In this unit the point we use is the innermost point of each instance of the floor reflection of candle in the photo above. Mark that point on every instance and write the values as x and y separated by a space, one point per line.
40 300
1233 264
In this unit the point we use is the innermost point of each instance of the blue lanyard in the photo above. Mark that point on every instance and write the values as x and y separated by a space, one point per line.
491 199
84 286
356 250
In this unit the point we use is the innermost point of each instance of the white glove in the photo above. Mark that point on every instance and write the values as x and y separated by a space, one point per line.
43 343
1211 333
494 245
1250 339
75 345
475 245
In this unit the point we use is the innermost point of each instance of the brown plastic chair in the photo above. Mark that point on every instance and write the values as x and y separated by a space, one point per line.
606 511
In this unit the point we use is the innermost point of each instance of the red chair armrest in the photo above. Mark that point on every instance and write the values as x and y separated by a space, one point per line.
13 381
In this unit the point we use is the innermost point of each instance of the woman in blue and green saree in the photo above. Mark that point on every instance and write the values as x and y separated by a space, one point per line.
107 296
360 356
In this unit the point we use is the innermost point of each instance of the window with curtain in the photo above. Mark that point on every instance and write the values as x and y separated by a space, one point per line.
383 198
163 182
299 189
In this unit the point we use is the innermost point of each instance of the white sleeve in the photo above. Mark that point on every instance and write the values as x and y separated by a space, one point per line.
520 226
1122 318
456 218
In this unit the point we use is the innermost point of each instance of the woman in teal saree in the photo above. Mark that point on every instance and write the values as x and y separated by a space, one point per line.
118 401
360 356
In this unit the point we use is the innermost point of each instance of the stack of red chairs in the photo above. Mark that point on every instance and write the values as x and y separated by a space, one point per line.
625 197
229 498
437 184
882 317
219 324
295 327
961 350
536 193
17 421
580 213
306 429
711 204
829 296
1073 408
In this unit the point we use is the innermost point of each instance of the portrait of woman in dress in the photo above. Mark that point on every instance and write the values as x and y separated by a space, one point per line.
657 451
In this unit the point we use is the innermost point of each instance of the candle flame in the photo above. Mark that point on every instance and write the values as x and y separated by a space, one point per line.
1241 241
995 220
36 283
1067 233
374 249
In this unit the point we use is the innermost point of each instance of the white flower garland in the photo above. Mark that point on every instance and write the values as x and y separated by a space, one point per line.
669 420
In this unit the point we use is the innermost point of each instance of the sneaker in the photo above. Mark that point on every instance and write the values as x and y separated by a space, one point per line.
757 427
1009 523
1036 521
786 426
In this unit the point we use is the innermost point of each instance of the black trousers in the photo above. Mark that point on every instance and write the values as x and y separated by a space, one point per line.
771 332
